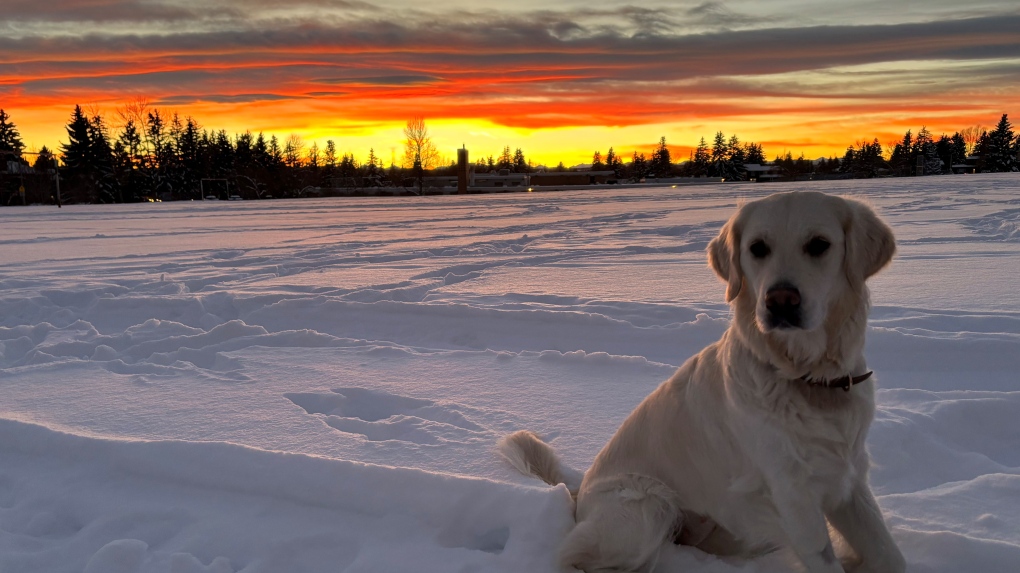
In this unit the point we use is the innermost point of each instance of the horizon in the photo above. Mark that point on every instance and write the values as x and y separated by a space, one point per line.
794 76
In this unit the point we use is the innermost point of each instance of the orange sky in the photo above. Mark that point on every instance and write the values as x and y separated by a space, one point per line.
792 75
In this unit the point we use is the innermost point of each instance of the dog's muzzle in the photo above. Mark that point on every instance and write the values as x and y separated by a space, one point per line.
782 301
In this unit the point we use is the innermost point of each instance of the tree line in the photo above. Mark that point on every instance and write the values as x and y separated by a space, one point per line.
154 154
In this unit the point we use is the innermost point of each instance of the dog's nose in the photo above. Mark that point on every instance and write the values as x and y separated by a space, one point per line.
783 303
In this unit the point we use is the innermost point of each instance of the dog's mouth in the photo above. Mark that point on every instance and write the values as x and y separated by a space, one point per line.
789 320
784 323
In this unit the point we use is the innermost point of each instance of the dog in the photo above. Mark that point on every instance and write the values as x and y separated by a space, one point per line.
758 441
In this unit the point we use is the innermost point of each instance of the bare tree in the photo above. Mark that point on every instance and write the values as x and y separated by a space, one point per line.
418 146
292 150
971 135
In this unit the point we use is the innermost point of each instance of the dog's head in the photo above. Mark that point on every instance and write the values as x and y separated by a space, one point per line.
790 257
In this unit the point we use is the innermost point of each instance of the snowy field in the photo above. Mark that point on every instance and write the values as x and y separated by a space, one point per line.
317 385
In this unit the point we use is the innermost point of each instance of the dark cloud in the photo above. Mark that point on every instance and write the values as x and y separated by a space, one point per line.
157 11
218 98
62 11
394 80
514 43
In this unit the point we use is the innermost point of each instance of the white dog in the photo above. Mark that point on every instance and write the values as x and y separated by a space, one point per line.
758 441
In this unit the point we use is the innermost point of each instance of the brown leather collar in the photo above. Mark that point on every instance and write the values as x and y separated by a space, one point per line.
845 383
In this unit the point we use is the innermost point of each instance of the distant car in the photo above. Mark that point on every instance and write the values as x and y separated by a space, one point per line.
211 198
235 198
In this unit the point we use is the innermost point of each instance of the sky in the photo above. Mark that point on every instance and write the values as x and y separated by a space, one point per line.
559 80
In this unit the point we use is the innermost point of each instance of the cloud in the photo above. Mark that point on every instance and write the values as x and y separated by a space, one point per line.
393 80
525 68
177 100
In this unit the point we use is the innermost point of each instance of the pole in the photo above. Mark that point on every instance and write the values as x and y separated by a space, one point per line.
56 173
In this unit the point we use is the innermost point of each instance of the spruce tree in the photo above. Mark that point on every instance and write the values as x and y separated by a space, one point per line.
372 166
958 153
638 166
926 150
613 162
520 162
44 160
902 160
10 140
702 160
506 159
662 163
735 160
76 150
106 185
754 154
1001 147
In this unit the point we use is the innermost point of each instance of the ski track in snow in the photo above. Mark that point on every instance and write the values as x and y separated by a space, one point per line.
318 385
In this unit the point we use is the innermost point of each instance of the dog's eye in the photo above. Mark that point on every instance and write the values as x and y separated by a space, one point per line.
816 247
759 249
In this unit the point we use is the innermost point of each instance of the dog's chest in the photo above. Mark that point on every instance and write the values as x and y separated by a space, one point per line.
823 430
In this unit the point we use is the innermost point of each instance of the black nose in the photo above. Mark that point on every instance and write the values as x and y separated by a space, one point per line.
783 303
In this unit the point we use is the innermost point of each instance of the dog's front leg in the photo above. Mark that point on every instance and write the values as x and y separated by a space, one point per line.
859 521
804 524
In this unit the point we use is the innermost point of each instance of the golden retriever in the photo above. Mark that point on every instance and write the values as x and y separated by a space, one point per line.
757 442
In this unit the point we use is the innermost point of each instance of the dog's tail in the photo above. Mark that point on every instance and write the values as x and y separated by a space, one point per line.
527 453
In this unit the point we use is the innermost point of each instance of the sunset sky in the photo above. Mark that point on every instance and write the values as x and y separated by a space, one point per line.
557 79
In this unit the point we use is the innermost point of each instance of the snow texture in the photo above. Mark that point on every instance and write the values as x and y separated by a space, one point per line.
318 385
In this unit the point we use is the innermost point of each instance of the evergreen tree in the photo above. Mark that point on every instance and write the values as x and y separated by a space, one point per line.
596 162
275 154
1000 149
77 156
754 154
719 147
44 160
506 159
735 160
661 164
131 141
924 148
613 162
981 149
520 162
638 166
329 155
864 161
107 187
348 167
10 141
958 154
314 157
702 160
721 162
944 150
372 168
76 150
902 160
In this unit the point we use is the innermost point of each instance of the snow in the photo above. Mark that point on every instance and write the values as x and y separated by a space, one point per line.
318 385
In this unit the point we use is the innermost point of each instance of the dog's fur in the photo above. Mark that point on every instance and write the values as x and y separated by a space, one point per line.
737 453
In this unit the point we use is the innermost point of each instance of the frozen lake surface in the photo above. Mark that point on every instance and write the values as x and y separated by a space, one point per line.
318 385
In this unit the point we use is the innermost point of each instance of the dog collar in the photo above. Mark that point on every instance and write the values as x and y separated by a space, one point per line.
845 383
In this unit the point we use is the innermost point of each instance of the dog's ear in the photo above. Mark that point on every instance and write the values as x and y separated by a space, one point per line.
724 257
870 243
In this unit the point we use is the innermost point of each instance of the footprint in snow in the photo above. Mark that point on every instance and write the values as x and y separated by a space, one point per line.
381 416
